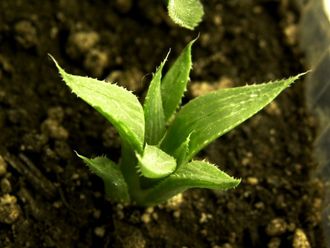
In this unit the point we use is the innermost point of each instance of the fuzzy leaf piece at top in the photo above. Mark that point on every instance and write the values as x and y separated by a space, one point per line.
116 104
207 117
186 13
153 109
154 163
196 174
114 183
175 81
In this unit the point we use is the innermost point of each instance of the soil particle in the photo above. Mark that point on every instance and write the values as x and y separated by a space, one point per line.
17 116
131 79
155 13
5 67
201 88
217 20
119 211
10 211
80 42
174 202
253 181
177 214
34 176
56 113
2 118
96 62
273 109
225 82
314 217
291 34
148 215
52 127
99 231
33 141
274 243
97 213
300 239
276 227
62 149
226 245
32 206
26 34
130 237
5 186
205 217
54 130
3 166
124 6
110 138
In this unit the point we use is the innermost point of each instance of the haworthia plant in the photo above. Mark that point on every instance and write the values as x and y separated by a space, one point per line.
186 13
160 139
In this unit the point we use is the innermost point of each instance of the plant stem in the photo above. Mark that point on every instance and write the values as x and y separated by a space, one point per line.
128 165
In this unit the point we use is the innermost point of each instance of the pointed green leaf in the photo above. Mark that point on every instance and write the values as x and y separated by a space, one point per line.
186 13
196 174
175 82
153 109
154 163
207 117
116 104
181 153
115 186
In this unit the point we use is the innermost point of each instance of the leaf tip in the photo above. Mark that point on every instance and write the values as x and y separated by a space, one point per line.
79 156
55 62
60 69
235 182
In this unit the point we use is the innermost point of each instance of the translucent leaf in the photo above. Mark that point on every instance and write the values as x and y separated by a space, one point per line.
116 104
153 109
114 183
207 117
186 13
154 163
175 82
196 174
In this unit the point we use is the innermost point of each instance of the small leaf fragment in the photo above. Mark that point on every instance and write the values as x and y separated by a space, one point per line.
116 104
174 83
154 163
114 183
207 117
186 13
153 109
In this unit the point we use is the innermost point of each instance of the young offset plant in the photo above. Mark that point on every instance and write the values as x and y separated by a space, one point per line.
160 139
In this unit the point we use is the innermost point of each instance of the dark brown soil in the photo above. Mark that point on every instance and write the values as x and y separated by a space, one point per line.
49 198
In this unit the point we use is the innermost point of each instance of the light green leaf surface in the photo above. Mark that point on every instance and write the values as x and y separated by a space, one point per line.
186 13
154 163
207 117
153 109
196 174
116 104
115 186
175 82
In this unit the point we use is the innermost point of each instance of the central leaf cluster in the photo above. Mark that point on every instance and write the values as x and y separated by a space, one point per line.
159 139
